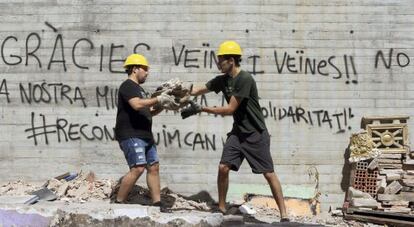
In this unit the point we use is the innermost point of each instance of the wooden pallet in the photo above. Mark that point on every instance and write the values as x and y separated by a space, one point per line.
380 120
379 217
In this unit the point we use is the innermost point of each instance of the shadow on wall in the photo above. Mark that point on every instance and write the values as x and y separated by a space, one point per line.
346 170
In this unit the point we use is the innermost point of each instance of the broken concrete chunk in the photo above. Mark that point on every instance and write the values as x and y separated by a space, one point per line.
406 196
391 171
409 172
407 176
90 177
393 177
409 162
354 193
408 182
54 185
373 164
363 202
61 192
393 188
382 185
396 203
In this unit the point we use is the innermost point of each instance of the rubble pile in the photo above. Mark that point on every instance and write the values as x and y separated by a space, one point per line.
176 88
85 187
385 181
17 188
172 200
182 203
362 147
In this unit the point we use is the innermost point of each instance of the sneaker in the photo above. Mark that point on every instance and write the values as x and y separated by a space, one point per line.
162 206
284 220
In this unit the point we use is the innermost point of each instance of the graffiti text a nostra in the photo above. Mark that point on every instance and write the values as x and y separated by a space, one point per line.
50 93
4 90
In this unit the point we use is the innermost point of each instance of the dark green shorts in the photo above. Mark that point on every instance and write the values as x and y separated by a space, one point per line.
255 147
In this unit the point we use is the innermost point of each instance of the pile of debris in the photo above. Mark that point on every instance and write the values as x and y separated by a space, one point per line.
382 176
82 187
17 188
75 187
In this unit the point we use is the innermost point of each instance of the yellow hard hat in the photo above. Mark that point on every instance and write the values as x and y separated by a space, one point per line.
136 59
229 48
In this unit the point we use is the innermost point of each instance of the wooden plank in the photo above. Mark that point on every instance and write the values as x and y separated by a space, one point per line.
407 196
379 217
389 161
393 177
388 171
377 220
408 182
396 203
382 119
397 209
390 166
390 156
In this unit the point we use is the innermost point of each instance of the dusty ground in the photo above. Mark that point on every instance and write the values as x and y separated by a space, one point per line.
87 188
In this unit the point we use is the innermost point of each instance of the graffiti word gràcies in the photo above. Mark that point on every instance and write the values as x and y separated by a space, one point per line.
58 57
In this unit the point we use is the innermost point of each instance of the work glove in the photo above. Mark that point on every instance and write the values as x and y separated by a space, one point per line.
167 101
193 109
157 106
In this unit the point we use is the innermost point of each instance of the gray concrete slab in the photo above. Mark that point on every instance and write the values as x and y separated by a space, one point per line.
103 213
100 213
12 199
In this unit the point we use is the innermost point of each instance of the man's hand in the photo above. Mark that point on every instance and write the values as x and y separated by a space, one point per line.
193 109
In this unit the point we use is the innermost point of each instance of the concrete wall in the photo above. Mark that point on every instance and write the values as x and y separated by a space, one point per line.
60 64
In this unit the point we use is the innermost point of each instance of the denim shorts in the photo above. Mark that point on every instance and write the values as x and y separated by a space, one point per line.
139 152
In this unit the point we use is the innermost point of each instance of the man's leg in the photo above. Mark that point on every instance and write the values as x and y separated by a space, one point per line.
223 185
153 182
276 188
128 182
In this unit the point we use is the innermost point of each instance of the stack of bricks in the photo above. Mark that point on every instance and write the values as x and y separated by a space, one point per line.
364 179
393 170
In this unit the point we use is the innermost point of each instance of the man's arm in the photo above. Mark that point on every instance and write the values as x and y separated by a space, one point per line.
199 90
224 110
137 103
